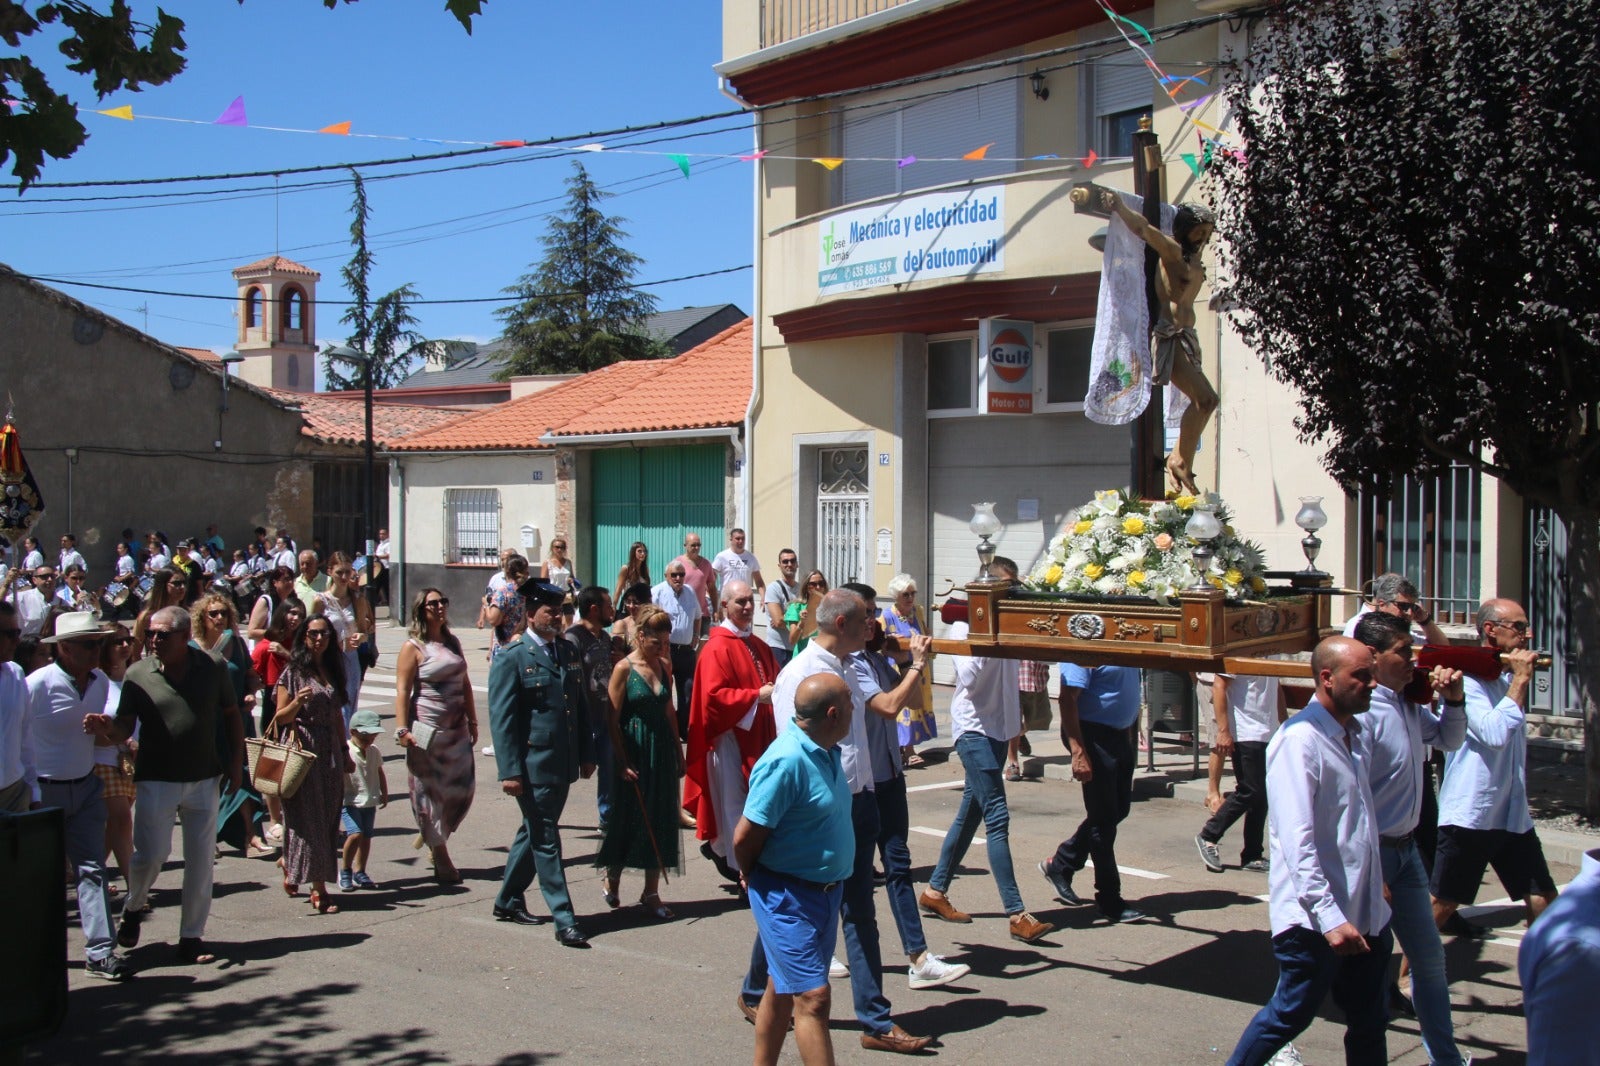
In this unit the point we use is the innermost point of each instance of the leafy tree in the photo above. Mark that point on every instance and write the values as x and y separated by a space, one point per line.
385 328
105 42
1415 235
577 310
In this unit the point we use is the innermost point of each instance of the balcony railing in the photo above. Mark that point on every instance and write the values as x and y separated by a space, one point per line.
785 20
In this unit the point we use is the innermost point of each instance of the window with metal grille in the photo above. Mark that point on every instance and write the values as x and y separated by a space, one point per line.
1430 530
472 526
842 503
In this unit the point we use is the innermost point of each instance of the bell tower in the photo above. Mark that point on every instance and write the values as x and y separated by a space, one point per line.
277 313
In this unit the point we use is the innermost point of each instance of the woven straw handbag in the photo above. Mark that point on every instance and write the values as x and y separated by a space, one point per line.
276 767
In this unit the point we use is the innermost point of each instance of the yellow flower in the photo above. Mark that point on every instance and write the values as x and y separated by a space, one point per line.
1258 584
1184 502
1135 578
1133 525
1233 577
1227 531
1052 575
1093 571
1082 526
1216 581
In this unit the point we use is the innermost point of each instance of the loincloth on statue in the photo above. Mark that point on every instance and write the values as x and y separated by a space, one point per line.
1165 343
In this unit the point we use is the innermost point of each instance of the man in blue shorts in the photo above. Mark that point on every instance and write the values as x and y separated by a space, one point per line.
796 845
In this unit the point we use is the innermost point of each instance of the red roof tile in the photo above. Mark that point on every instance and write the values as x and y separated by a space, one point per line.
706 387
341 418
279 263
204 354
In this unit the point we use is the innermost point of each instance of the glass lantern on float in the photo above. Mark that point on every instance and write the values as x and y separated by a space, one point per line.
985 525
1311 518
1202 529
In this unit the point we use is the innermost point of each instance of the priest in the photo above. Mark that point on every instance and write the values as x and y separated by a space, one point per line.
730 725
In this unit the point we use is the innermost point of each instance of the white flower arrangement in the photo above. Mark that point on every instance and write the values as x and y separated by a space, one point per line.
1118 546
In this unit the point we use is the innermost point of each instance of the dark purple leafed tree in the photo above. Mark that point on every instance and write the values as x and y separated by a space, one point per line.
1414 234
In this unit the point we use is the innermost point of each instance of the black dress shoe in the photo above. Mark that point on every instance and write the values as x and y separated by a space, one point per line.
517 916
571 937
727 872
1456 925
1400 1004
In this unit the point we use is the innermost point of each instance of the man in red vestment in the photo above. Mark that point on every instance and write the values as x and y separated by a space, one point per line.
730 725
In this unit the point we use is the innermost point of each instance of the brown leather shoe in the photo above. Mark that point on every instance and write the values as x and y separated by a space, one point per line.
896 1040
940 907
1026 928
749 1013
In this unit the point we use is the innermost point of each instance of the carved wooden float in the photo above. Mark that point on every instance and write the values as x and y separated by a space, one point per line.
1203 631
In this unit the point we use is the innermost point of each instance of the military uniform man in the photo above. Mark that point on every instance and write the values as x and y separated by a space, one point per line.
542 743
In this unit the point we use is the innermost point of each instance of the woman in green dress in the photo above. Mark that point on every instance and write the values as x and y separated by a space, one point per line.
643 831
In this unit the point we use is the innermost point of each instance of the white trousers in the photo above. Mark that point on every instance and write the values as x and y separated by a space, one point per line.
154 812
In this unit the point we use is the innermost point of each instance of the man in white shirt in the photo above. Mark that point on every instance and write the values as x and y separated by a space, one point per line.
1397 732
779 594
69 554
844 622
1483 798
1393 594
33 603
985 713
733 563
60 697
1330 923
18 775
1248 710
681 604
283 554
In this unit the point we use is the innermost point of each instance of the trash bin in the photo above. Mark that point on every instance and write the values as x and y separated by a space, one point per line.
33 927
1169 698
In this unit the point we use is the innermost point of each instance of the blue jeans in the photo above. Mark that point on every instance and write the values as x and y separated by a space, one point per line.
894 826
1413 927
1307 970
861 921
84 811
985 793
605 761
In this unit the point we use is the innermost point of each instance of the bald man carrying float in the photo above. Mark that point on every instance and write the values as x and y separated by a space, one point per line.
1330 922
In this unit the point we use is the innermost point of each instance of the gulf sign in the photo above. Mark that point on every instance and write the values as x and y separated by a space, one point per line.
1005 367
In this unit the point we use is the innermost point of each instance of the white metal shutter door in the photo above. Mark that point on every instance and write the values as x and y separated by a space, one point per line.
1058 459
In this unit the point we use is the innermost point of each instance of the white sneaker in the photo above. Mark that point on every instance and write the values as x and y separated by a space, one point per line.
934 971
838 969
1288 1056
488 749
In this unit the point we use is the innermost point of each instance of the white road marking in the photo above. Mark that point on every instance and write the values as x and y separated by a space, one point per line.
936 784
941 833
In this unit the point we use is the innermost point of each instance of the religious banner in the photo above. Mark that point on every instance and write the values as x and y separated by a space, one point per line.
20 502
1005 367
935 235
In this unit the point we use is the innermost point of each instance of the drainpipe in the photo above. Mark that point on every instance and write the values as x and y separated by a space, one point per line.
397 546
747 495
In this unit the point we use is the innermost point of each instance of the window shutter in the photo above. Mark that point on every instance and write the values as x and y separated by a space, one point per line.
951 125
870 135
1122 85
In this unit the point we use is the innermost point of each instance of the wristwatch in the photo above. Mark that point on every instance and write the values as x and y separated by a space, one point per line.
401 734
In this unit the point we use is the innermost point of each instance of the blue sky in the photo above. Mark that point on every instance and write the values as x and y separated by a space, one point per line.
529 71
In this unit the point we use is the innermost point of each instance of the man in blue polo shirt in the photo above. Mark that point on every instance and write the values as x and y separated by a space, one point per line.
1098 706
796 845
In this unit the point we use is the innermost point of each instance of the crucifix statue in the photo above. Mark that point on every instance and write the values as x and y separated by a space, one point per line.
1169 349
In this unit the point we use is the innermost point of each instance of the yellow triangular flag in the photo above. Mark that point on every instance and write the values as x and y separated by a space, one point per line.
341 128
125 112
830 163
979 153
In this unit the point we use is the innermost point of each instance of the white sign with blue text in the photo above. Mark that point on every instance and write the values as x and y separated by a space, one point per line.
936 235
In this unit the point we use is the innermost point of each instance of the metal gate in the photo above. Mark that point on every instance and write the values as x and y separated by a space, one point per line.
655 495
1549 614
1430 530
842 503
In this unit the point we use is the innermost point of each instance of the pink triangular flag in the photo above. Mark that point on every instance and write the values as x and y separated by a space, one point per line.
501 144
341 129
233 114
753 156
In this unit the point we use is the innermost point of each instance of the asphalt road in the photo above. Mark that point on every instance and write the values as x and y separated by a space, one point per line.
415 973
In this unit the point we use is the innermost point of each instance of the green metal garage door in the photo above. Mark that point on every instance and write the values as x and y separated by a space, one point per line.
656 495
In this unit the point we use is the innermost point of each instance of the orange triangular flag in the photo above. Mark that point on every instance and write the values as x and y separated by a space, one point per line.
340 128
830 163
979 153
1089 160
124 112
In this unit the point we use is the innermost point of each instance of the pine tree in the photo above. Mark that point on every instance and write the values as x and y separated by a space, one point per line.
577 310
385 328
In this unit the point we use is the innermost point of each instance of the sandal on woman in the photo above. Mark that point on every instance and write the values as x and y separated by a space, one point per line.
609 894
660 910
1013 772
915 761
321 905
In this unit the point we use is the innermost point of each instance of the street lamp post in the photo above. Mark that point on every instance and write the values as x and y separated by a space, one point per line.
353 355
